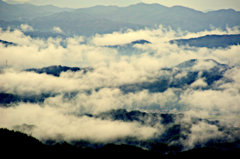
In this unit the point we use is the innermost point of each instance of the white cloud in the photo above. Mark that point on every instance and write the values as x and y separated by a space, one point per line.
223 103
36 52
202 132
57 29
107 99
199 83
204 65
50 123
111 69
26 27
33 84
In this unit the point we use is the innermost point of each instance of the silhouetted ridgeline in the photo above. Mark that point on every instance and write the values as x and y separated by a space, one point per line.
210 41
16 143
22 144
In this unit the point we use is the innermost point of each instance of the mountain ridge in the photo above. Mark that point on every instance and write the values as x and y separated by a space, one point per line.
26 11
107 19
210 41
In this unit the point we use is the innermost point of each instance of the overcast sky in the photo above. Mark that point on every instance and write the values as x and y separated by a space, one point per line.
196 4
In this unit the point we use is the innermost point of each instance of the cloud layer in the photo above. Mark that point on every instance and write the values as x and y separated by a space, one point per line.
77 93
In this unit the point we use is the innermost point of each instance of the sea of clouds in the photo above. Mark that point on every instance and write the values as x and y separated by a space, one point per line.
60 117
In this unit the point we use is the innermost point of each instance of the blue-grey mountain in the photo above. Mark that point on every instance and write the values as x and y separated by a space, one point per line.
106 19
210 41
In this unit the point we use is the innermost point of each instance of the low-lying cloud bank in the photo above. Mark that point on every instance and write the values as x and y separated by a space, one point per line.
51 123
202 88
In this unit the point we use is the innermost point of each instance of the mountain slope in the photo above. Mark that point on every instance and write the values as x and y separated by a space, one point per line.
106 19
56 70
209 70
79 23
210 41
102 19
26 11
176 17
7 43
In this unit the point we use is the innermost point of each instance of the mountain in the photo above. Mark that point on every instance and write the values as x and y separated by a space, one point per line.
224 16
151 15
79 23
137 14
130 45
11 12
191 63
138 116
25 145
7 43
208 69
22 144
107 19
7 99
56 70
44 35
176 129
210 41
14 140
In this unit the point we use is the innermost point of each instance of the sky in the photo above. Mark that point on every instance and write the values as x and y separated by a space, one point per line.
203 5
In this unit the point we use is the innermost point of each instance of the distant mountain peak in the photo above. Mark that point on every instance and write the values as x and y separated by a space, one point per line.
141 4
3 3
225 10
142 41
179 7
100 7
131 44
